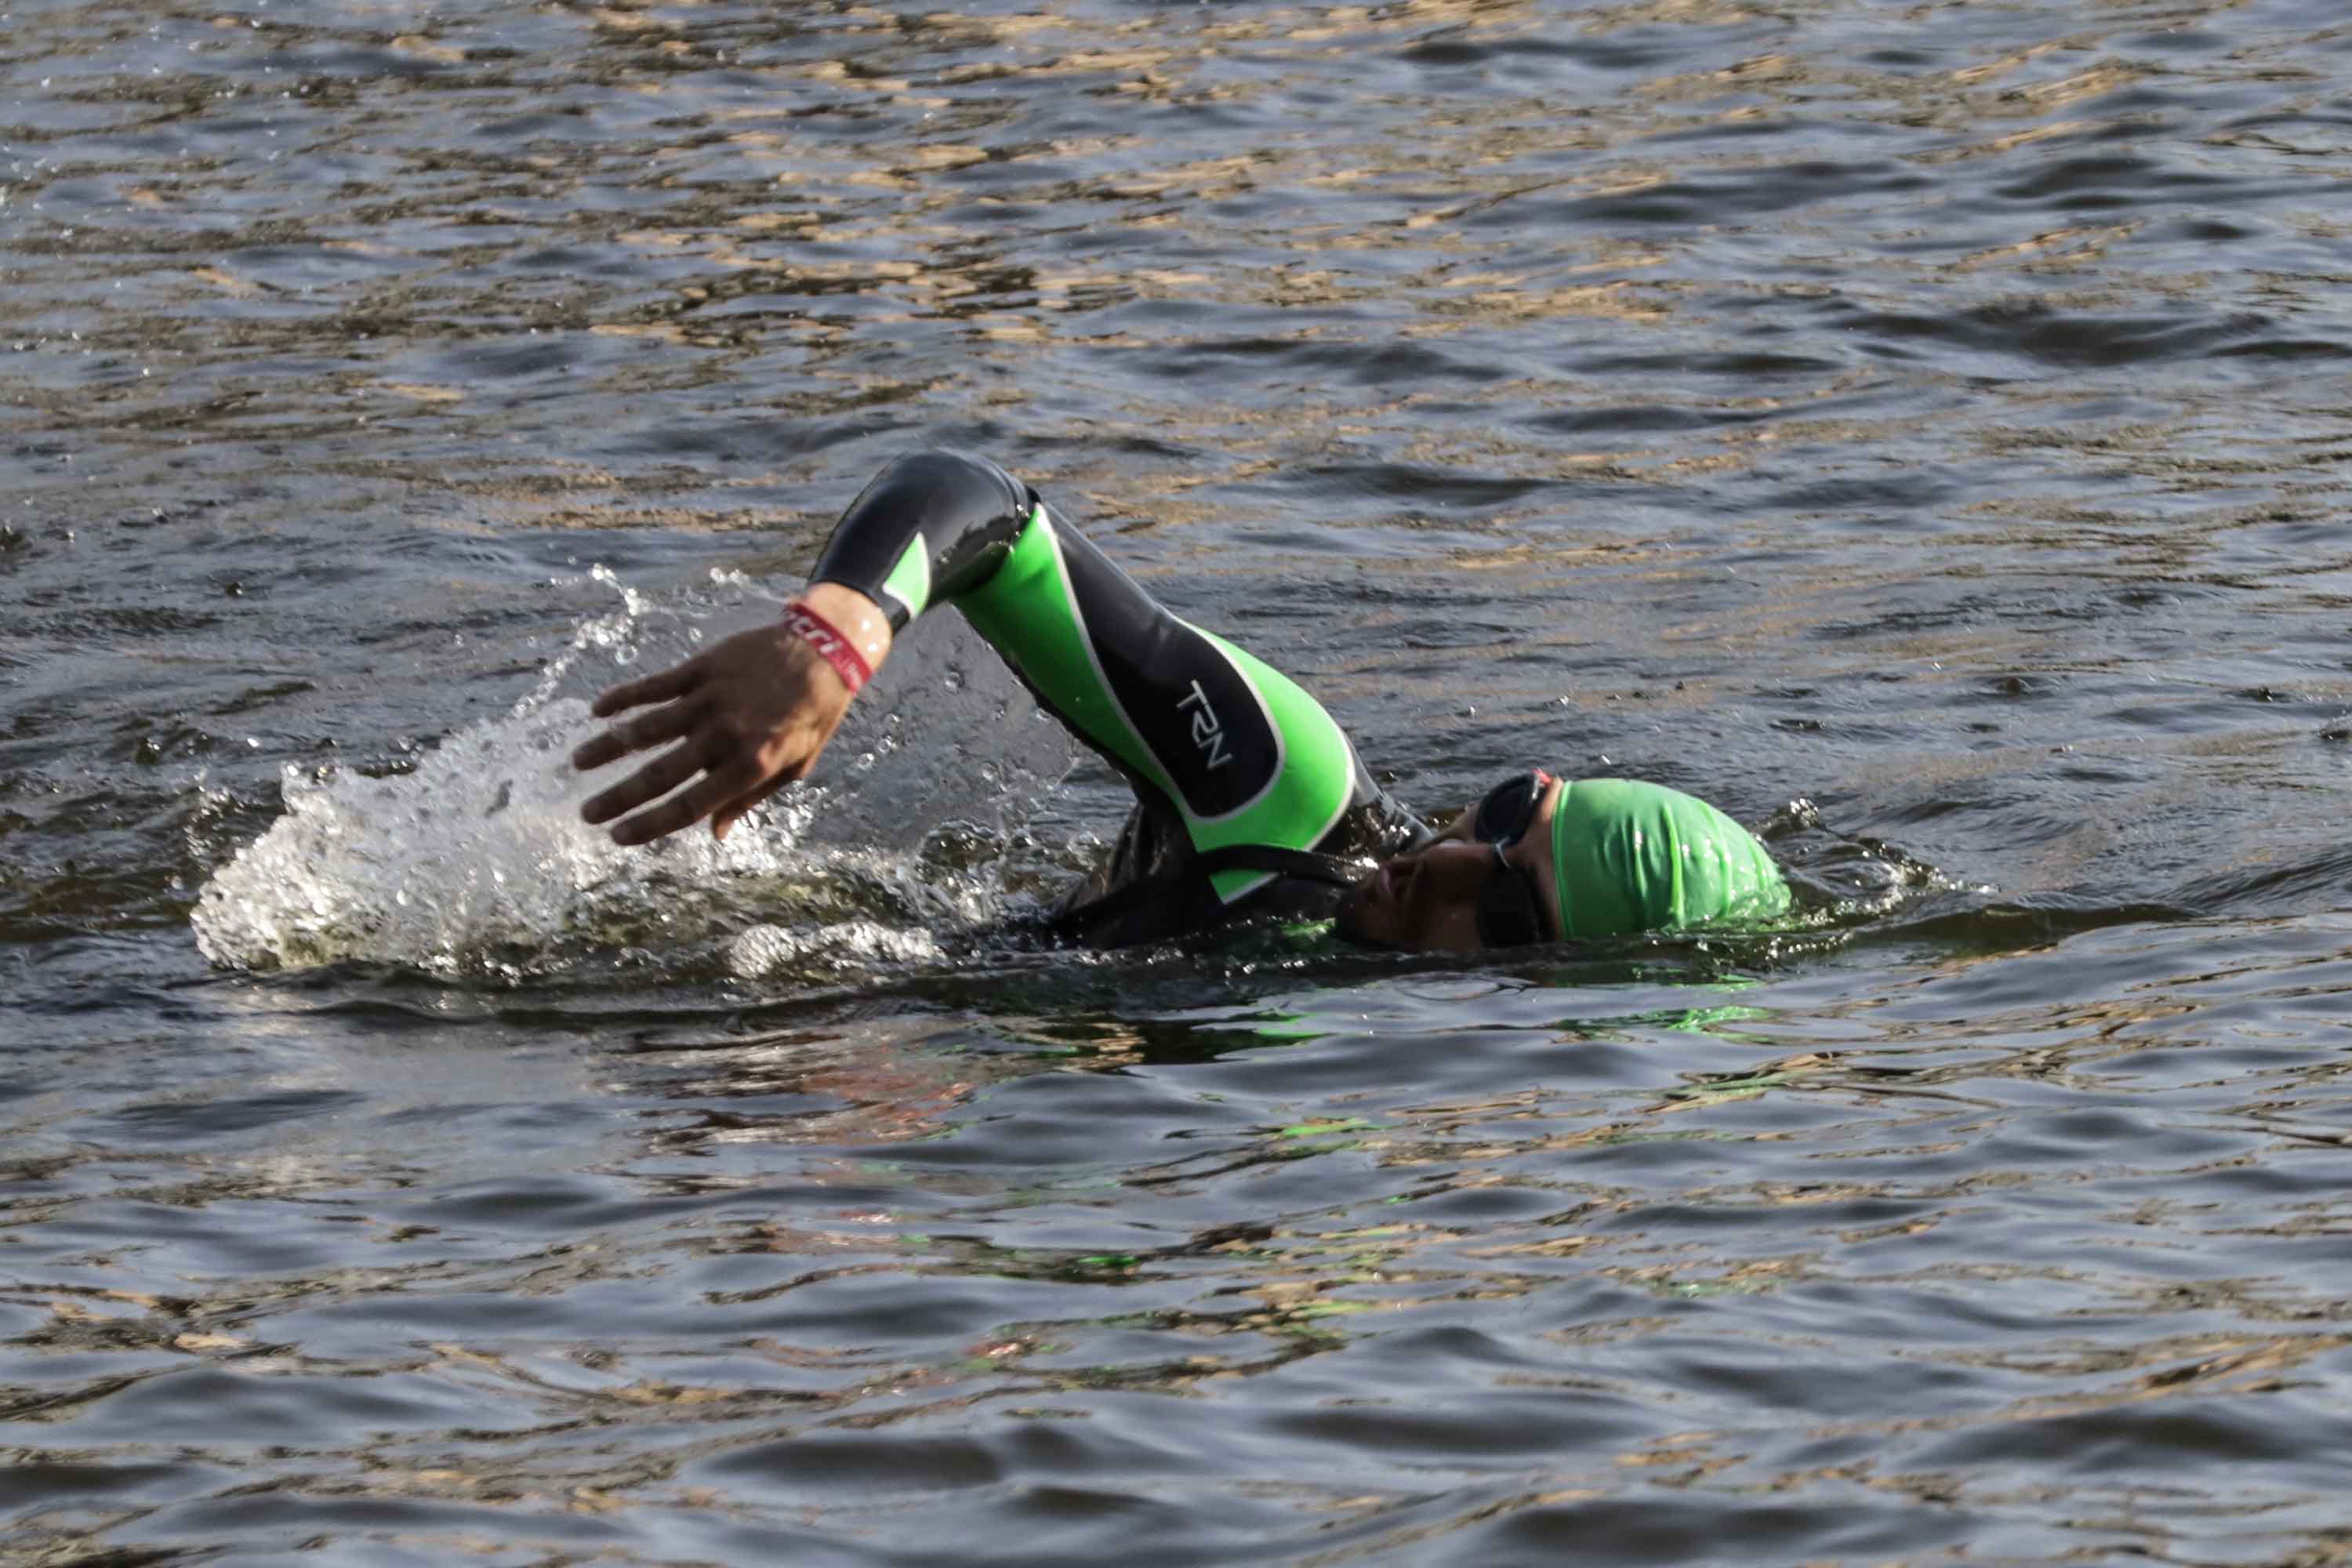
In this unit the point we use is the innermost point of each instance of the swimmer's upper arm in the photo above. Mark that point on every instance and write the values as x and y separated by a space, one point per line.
1237 752
1233 748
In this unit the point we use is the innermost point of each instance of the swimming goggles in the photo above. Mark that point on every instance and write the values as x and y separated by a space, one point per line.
1510 901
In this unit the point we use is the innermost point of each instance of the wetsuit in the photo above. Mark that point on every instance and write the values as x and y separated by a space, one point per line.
1235 769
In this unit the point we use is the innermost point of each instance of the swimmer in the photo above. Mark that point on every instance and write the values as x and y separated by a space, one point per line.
1251 802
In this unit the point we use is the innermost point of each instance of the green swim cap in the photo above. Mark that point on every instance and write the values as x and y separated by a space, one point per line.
1633 856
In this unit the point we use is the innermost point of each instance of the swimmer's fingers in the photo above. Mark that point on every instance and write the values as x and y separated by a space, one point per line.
652 781
688 807
644 731
674 681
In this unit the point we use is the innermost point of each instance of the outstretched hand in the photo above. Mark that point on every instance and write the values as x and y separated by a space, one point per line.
748 715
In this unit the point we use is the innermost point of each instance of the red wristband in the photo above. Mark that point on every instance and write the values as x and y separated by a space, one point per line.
825 637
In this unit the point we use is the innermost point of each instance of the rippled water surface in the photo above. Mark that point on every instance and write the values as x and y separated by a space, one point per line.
1922 429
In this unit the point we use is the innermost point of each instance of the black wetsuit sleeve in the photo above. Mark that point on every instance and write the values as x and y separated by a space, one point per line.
928 526
1219 748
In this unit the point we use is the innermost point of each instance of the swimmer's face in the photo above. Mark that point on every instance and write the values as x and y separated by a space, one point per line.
1438 897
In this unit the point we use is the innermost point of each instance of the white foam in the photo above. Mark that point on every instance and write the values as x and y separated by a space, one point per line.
768 950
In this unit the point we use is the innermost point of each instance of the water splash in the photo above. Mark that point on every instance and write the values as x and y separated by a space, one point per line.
479 850
474 862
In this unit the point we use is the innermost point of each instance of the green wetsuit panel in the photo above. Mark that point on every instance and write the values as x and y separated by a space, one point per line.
1237 750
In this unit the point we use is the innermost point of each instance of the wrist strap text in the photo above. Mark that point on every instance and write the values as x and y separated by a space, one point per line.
826 638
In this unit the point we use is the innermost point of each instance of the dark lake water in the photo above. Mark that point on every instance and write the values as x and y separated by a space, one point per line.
1922 429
